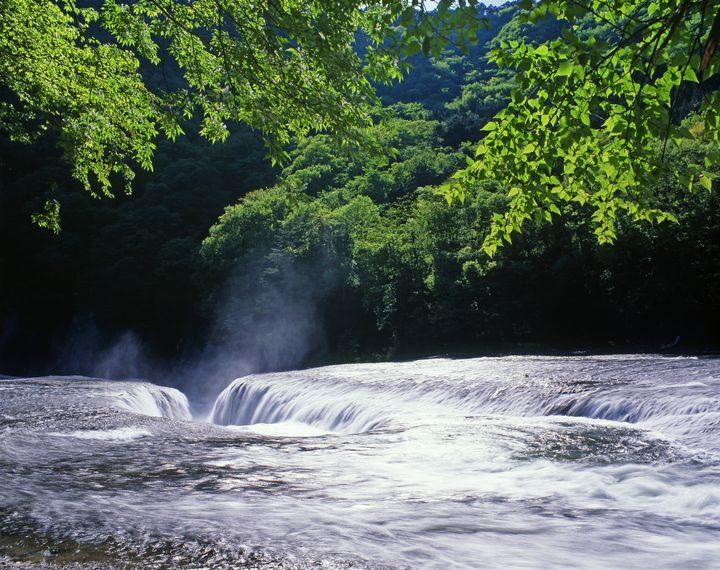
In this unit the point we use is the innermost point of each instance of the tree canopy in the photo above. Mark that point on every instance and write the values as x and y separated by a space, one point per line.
583 123
591 108
283 67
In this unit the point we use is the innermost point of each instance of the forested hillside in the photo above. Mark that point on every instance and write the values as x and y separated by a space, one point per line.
339 256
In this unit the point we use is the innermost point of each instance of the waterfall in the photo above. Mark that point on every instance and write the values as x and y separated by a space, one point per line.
158 401
359 398
257 400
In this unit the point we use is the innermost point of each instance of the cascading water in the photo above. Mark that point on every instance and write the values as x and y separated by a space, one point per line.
354 399
262 400
519 462
157 401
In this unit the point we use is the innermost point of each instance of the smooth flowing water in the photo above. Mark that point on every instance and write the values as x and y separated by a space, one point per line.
518 462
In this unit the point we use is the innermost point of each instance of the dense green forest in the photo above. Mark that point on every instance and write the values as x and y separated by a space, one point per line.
341 256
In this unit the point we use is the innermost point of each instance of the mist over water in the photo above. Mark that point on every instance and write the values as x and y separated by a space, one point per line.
518 462
274 326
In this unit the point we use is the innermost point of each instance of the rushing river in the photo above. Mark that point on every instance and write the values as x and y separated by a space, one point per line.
518 462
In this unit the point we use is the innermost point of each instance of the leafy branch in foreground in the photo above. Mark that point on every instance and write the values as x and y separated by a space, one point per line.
284 67
590 120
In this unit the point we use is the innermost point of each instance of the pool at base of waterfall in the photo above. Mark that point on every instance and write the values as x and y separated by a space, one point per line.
513 462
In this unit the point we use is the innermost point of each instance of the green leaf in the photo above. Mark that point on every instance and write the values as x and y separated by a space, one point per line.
565 69
49 217
705 181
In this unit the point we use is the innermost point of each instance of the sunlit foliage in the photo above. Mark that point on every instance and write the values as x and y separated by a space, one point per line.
593 115
284 67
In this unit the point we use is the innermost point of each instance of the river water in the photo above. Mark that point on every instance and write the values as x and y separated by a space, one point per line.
517 462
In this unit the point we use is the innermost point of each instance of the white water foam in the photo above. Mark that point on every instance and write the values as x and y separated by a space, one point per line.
157 401
256 400
120 434
284 429
359 398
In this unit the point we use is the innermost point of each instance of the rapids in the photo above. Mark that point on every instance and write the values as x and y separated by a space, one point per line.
516 462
